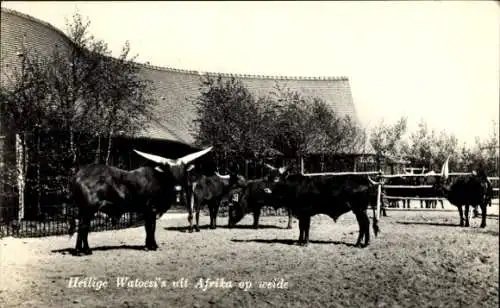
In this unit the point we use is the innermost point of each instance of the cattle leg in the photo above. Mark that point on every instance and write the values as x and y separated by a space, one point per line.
196 208
306 231
79 238
376 229
382 208
197 217
154 245
475 212
304 224
442 204
483 215
301 230
150 226
85 228
383 211
364 228
461 212
190 212
216 212
256 216
467 215
290 217
213 209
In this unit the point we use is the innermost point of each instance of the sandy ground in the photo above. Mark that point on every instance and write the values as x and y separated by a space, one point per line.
421 259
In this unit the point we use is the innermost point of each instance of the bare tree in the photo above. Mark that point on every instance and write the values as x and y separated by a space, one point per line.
95 93
24 95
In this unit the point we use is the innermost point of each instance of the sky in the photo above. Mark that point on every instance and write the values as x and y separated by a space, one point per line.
436 61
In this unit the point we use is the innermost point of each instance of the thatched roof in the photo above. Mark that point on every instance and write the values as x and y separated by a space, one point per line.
174 89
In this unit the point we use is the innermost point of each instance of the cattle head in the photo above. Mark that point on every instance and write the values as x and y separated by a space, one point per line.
277 174
179 167
232 179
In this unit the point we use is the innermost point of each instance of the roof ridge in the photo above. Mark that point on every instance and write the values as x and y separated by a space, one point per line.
238 75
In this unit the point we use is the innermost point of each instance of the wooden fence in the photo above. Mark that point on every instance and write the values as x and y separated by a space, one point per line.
384 197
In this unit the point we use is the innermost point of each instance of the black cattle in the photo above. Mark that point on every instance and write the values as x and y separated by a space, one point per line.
209 190
148 190
254 195
331 195
468 190
250 199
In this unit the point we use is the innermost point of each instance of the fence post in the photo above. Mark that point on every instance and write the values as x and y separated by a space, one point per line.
20 175
379 192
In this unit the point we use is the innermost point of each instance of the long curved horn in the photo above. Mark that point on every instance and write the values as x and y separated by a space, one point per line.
444 169
270 167
190 157
372 181
224 177
155 158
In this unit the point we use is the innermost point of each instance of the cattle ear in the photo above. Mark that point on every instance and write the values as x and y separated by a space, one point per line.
190 167
159 169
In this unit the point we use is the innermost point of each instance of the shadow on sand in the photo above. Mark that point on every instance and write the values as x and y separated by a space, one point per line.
427 223
491 232
71 251
290 242
207 227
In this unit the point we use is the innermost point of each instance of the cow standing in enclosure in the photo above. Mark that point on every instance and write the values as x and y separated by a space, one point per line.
210 191
148 190
468 190
253 196
331 195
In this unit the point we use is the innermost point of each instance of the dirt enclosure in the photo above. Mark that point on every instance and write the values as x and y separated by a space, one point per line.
421 259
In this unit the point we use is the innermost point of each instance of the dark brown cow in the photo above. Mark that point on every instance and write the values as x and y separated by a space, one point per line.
147 190
468 190
332 195
209 190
